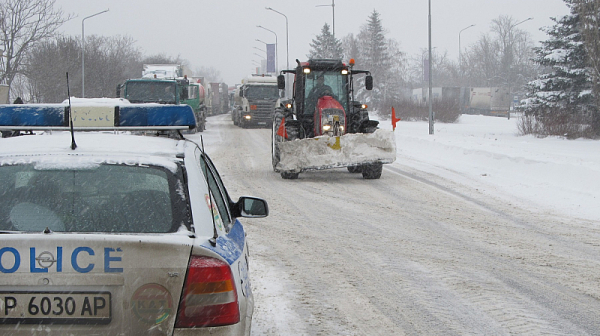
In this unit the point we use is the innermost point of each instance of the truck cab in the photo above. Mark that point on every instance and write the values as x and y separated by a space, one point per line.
163 84
255 101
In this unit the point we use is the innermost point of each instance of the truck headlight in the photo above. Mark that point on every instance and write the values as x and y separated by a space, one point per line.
248 117
326 127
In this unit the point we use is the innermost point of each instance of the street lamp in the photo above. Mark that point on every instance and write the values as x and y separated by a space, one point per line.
459 49
333 10
287 40
276 53
83 51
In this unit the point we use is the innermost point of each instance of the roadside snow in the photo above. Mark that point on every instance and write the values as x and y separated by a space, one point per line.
550 174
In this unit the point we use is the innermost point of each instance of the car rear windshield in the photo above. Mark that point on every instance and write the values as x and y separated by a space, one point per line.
102 198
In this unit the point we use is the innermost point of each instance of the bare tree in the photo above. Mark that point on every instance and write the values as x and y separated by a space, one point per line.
501 58
211 74
47 63
109 61
22 24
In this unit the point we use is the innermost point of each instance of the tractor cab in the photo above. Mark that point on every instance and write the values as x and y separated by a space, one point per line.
323 99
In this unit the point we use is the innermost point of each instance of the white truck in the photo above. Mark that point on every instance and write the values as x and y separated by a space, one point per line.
4 93
168 71
494 101
255 101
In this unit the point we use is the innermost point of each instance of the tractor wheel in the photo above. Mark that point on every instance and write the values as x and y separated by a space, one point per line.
289 176
372 171
355 169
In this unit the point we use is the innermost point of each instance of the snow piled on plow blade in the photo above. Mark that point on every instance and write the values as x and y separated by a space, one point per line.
326 152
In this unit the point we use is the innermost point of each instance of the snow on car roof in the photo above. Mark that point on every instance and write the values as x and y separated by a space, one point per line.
103 147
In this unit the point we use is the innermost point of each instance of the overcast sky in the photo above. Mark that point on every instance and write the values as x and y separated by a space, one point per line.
222 33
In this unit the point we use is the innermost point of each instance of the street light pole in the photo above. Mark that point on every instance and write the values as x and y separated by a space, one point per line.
83 51
287 40
460 50
276 47
333 11
430 95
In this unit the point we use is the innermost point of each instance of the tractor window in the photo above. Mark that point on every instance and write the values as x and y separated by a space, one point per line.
320 83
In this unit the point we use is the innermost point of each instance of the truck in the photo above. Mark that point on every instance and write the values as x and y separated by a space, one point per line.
323 127
495 101
4 89
166 84
217 99
255 101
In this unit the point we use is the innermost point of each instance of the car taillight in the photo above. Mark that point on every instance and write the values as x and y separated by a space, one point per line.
209 297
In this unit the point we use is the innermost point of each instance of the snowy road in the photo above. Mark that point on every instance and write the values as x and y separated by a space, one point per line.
410 254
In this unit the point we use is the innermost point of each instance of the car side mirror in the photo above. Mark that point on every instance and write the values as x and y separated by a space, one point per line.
119 86
369 82
241 93
281 82
252 207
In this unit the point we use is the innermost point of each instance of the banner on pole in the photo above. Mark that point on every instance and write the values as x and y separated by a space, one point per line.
271 58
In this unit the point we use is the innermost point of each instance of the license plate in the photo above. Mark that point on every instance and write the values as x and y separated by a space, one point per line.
55 307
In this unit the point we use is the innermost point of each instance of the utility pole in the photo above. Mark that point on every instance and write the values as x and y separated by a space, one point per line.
430 96
333 10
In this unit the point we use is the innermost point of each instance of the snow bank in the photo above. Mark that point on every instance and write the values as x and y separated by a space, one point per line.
486 153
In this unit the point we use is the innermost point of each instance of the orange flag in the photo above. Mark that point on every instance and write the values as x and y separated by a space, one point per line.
394 119
281 131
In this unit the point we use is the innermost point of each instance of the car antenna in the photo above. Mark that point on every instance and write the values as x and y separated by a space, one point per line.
73 144
213 240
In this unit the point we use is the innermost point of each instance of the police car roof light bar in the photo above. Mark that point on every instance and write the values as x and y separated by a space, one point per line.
96 118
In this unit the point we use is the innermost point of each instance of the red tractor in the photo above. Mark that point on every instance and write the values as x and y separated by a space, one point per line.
323 109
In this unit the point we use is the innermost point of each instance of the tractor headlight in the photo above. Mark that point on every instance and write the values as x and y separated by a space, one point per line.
326 127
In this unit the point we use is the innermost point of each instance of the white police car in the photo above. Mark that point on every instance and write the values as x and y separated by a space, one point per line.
106 233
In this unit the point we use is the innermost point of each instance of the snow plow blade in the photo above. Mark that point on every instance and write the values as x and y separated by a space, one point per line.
325 152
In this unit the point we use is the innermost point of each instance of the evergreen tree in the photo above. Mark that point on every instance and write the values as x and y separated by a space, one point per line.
567 83
383 58
325 45
564 94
